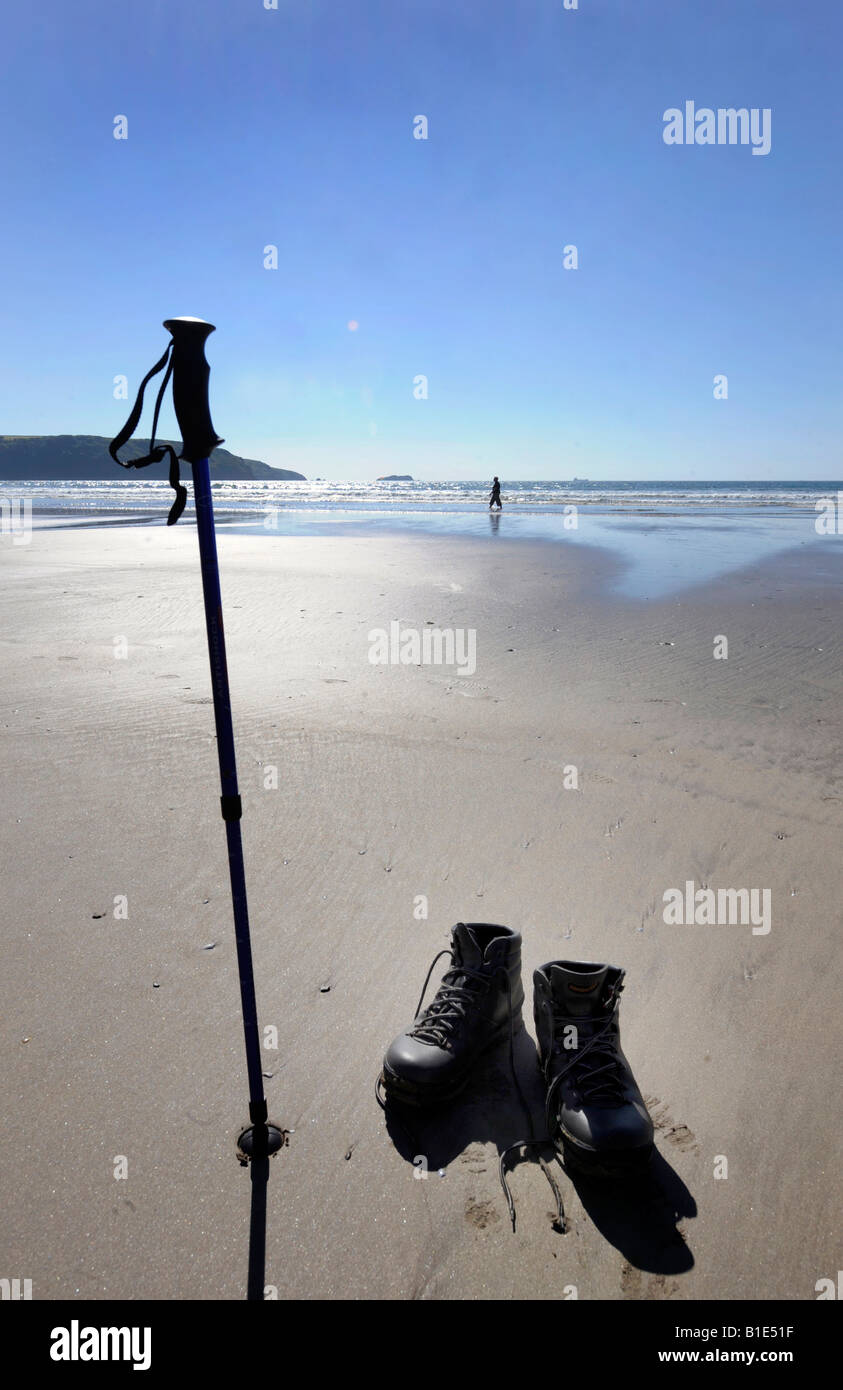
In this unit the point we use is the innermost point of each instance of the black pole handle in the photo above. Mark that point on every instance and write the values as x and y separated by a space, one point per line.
190 387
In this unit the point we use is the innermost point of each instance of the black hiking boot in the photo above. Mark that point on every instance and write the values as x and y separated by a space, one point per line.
596 1116
477 1004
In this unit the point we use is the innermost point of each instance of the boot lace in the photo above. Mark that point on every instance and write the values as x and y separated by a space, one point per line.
457 992
595 1067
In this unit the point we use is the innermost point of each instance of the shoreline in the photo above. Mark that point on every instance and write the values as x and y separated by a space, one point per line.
648 559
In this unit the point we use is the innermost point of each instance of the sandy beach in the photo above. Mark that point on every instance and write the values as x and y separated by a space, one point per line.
119 1003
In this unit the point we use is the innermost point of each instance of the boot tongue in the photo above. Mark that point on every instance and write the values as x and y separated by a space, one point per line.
579 993
466 947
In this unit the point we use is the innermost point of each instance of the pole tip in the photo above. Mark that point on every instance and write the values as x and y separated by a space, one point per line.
260 1141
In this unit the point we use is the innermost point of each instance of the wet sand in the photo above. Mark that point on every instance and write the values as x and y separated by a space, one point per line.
122 1034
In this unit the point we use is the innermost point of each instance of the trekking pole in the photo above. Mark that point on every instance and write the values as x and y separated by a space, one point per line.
190 372
190 399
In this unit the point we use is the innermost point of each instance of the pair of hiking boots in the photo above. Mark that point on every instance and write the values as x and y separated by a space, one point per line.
595 1114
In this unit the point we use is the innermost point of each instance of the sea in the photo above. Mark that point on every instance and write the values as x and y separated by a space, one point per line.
667 535
432 498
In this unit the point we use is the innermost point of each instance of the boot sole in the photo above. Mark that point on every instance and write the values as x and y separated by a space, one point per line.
422 1097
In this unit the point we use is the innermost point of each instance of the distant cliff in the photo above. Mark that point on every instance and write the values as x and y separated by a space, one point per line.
68 457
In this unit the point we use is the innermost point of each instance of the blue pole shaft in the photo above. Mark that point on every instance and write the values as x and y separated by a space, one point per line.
228 778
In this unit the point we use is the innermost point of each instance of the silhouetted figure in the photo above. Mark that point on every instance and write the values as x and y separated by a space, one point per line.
495 495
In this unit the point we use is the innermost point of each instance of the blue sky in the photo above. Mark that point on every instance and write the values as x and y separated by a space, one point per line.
293 127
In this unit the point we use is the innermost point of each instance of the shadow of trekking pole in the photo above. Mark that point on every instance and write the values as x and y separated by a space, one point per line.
259 1175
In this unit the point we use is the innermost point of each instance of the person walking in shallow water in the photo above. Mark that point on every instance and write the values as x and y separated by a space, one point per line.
495 495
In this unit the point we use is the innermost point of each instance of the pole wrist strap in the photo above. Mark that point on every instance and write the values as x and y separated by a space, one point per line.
156 451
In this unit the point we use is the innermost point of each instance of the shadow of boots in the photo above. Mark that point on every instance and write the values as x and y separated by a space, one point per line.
639 1215
487 1111
497 1106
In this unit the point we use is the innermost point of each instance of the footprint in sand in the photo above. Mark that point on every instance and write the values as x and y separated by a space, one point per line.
631 1281
633 1285
474 1158
480 1214
680 1136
